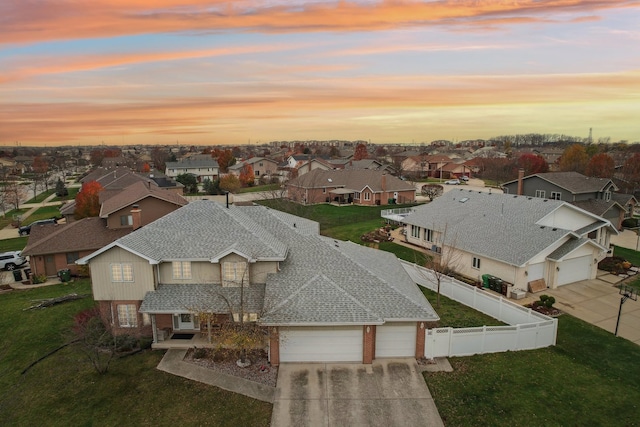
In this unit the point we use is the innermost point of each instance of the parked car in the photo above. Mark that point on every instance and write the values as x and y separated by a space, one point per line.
11 260
25 230
465 178
452 182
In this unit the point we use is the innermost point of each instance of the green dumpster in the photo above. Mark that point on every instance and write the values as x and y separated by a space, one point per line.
64 275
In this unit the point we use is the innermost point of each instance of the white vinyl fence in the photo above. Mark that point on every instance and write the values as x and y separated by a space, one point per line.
528 329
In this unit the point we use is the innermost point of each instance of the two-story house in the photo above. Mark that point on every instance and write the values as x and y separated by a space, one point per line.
319 299
202 167
594 195
261 167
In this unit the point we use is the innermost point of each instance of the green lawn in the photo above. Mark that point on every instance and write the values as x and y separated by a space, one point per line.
44 212
629 254
71 196
590 378
64 389
259 188
40 197
15 244
8 217
455 315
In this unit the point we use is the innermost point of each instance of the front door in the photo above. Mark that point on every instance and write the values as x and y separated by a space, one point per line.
185 321
49 265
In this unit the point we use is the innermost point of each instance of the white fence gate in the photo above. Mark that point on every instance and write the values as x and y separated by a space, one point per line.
528 329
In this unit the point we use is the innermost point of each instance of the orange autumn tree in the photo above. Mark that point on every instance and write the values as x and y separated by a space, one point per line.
88 200
247 176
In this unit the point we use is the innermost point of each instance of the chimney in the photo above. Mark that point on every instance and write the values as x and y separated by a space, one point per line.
136 215
520 184
383 181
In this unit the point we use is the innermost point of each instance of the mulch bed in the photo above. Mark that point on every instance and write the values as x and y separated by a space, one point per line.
551 312
224 360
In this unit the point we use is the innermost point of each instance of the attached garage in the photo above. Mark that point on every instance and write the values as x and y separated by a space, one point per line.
574 270
535 271
396 340
321 344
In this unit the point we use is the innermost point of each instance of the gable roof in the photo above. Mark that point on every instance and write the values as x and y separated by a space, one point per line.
88 234
134 194
193 162
356 179
499 226
597 206
320 281
573 182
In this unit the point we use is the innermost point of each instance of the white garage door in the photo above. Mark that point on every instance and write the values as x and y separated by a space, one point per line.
396 340
574 270
535 271
321 344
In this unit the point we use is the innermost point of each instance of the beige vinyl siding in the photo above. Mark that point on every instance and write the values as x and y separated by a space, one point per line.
105 289
201 272
259 271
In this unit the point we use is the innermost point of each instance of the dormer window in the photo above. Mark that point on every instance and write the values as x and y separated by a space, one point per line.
607 196
234 274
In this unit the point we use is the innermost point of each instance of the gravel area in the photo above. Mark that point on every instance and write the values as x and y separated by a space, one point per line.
259 371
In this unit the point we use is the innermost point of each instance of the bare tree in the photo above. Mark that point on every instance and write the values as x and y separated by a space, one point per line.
432 191
446 262
14 194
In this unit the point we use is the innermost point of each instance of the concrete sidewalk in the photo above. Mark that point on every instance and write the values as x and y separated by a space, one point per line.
173 363
10 232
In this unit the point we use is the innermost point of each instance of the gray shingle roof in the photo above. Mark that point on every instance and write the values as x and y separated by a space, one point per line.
573 182
197 162
204 230
321 281
498 226
202 297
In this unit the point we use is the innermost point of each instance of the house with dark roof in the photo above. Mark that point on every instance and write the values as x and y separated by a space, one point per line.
319 299
261 167
53 247
358 186
520 239
591 194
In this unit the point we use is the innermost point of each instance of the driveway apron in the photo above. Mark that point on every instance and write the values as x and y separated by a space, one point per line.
390 392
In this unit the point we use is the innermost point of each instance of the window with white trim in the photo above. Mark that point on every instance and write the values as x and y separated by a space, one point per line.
556 195
415 231
122 272
541 193
127 315
367 196
72 257
126 220
476 263
356 195
181 269
234 274
607 196
428 235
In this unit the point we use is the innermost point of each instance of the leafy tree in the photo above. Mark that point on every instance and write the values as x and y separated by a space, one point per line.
230 183
61 190
631 173
360 152
247 176
211 187
532 164
574 159
432 191
88 200
601 166
225 159
189 181
146 168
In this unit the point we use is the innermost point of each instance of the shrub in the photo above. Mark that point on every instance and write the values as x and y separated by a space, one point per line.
630 223
549 302
38 278
199 353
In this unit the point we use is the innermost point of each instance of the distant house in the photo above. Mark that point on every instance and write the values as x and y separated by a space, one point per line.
594 195
201 166
519 239
363 187
261 167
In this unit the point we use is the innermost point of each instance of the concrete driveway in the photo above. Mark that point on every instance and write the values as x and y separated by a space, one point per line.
390 392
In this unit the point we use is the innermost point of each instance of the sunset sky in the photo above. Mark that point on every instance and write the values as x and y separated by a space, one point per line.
233 72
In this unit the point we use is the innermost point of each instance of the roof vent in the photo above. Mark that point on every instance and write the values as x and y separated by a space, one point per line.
464 199
554 229
542 227
515 197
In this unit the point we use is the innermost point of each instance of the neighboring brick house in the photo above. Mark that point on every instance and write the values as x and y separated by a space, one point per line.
261 167
150 200
595 195
321 300
54 247
362 187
